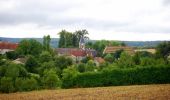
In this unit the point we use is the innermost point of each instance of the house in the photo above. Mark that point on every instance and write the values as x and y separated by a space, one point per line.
77 54
7 46
113 49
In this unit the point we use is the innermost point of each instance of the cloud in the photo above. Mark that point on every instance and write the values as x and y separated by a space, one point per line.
166 2
97 16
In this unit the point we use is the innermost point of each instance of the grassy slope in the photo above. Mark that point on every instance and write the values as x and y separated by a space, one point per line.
139 92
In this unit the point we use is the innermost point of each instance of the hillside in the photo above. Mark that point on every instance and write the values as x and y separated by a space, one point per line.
54 42
137 92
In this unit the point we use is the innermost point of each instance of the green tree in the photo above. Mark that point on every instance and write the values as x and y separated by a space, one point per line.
29 47
51 80
81 67
31 64
6 84
15 70
109 58
46 42
63 62
26 84
163 49
12 55
62 39
125 60
45 56
68 76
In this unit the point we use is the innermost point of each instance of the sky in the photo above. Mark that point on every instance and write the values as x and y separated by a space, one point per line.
130 20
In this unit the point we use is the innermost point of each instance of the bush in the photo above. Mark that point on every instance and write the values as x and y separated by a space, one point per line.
15 70
68 76
81 67
26 84
51 80
12 55
125 60
45 56
117 76
6 85
31 64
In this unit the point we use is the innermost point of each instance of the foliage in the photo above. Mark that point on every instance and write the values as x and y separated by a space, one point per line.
63 62
46 42
100 45
15 70
45 56
81 67
125 60
68 76
29 47
163 49
68 39
26 84
51 80
6 85
127 76
31 64
109 58
12 55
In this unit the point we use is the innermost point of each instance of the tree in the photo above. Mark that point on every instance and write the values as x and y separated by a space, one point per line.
109 58
81 67
125 61
63 62
6 85
68 76
90 66
79 34
45 56
69 39
62 39
46 42
12 55
26 84
100 45
163 50
136 58
15 70
51 80
31 64
29 47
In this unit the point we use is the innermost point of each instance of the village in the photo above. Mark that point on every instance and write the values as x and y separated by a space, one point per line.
77 54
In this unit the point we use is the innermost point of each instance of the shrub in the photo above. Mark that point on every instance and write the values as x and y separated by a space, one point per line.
26 84
50 79
6 85
31 64
45 56
118 76
12 55
68 76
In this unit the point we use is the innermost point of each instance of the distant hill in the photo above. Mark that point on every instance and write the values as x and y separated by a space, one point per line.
54 42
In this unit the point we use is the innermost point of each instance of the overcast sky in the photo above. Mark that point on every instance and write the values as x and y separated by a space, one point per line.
104 19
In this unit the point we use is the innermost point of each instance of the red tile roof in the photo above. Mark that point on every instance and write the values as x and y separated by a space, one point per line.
7 45
78 53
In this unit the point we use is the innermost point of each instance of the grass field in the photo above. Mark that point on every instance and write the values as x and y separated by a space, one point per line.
136 92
